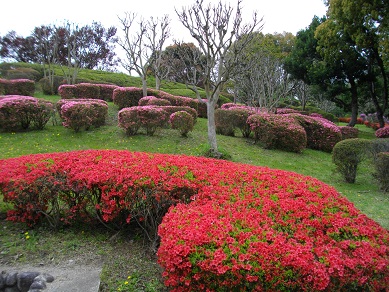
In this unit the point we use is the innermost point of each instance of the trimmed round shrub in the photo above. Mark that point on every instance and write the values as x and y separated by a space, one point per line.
23 87
67 91
230 117
81 114
278 132
19 113
224 122
182 121
348 132
106 91
348 154
152 100
171 109
322 134
381 165
88 91
128 119
148 117
127 96
379 145
382 132
61 102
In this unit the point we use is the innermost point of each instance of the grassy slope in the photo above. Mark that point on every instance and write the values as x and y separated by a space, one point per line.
124 253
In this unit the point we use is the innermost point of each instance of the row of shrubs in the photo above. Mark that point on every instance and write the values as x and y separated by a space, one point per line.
228 226
124 97
287 130
17 87
20 113
350 153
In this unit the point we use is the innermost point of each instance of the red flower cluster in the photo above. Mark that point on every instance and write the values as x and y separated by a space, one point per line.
246 228
256 229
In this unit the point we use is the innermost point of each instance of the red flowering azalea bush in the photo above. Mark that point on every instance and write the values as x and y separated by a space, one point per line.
322 134
84 114
148 117
278 132
23 112
182 121
382 132
348 132
229 226
256 229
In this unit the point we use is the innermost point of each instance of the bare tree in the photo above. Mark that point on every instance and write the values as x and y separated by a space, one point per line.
215 29
71 33
158 32
143 46
189 63
138 57
47 51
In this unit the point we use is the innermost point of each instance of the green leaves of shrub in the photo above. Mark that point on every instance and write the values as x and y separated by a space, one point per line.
348 154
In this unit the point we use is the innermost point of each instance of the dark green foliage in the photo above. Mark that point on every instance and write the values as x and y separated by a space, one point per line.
224 122
378 146
348 154
382 170
46 88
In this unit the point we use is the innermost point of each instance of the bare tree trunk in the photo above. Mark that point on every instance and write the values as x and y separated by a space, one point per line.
212 129
354 103
144 85
157 82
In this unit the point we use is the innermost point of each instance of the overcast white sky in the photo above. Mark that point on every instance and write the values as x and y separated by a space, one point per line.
24 15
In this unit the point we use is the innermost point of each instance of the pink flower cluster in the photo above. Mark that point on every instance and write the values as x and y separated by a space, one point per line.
382 132
246 228
148 117
87 91
278 132
80 114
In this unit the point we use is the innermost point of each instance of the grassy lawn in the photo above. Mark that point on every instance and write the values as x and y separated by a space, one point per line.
124 252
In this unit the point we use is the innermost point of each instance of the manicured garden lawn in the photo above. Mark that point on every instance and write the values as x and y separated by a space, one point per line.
131 260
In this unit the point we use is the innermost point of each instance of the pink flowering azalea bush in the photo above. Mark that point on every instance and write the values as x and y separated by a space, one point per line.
62 101
87 91
278 132
83 114
19 113
231 117
152 100
24 87
228 226
322 134
382 132
148 117
182 121
348 132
